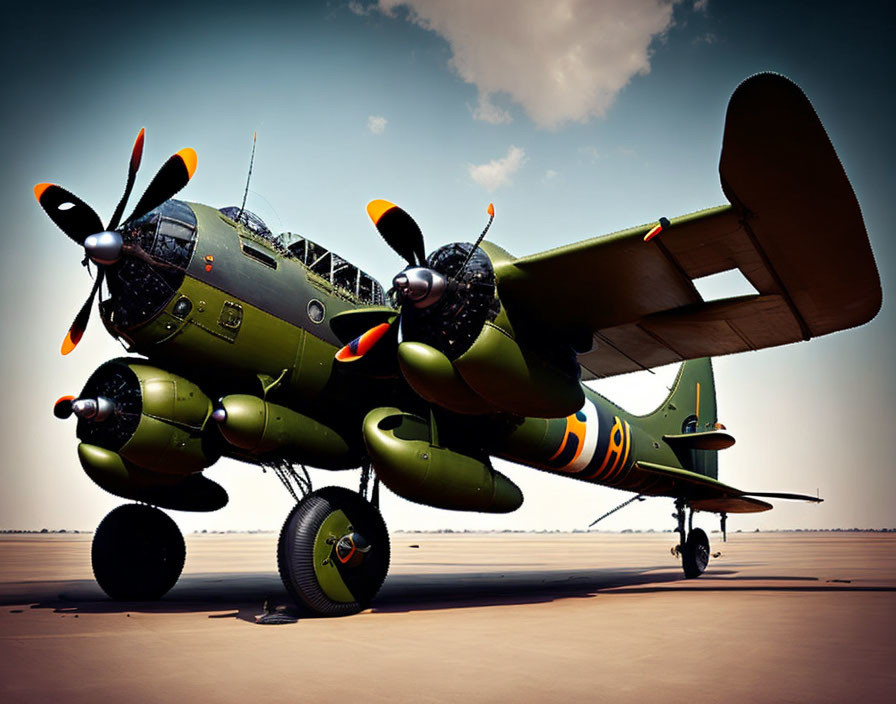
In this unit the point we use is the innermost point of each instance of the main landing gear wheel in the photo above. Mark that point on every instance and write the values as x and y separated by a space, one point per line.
333 553
695 556
137 553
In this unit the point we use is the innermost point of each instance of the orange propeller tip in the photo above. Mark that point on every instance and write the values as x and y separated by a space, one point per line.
68 345
39 190
491 209
188 156
377 208
137 151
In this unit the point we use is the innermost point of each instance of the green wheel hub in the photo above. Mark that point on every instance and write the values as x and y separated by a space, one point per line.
333 553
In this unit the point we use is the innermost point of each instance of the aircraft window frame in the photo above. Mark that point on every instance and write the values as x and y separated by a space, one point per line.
255 253
341 274
314 304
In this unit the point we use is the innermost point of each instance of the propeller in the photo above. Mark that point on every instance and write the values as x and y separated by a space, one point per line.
399 230
420 285
102 246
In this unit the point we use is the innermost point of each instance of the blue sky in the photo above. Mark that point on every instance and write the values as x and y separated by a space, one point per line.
600 116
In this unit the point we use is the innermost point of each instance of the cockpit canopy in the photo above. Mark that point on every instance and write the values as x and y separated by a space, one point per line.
318 259
335 269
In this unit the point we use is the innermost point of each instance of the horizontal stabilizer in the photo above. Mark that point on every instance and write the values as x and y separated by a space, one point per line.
741 504
707 494
791 497
709 440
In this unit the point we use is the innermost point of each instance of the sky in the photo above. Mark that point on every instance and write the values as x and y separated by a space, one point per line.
574 118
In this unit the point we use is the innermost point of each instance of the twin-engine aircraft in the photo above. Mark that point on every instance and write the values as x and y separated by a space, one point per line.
275 351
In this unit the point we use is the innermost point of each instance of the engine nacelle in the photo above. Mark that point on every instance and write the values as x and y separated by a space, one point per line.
156 420
462 352
258 427
411 465
112 472
495 374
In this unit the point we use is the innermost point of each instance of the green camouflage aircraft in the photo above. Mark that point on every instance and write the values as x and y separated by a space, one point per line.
278 352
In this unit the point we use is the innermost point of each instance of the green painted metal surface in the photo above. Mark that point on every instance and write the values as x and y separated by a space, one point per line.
331 583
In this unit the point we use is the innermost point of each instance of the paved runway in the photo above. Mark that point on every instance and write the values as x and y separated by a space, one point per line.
795 617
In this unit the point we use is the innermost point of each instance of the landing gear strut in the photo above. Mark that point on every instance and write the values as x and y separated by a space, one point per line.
333 553
693 546
137 553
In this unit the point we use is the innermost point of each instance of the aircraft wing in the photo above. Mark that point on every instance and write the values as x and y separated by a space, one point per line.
793 227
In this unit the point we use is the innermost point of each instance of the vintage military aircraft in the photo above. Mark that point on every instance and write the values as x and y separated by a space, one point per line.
275 351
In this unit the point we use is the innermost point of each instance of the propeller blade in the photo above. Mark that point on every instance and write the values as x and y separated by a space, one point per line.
71 214
133 166
399 230
361 345
174 175
63 407
76 331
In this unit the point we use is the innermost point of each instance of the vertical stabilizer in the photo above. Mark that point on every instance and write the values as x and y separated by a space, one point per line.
691 408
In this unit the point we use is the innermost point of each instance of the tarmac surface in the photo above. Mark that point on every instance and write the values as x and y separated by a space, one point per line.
779 617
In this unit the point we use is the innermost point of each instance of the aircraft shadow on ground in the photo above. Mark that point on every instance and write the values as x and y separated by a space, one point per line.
243 595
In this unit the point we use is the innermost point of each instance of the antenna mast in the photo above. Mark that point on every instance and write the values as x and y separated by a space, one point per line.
249 177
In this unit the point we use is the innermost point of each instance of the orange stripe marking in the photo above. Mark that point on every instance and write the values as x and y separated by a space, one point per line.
698 403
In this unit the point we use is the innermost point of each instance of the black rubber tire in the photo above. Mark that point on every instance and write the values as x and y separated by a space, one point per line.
695 556
295 551
138 553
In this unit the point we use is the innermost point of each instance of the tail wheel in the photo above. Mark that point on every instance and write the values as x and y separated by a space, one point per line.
695 556
138 553
333 552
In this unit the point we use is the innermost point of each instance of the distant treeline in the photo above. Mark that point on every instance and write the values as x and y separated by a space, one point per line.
450 531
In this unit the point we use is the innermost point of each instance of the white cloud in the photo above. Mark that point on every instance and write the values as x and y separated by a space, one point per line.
498 171
377 124
487 111
700 5
549 175
359 9
561 60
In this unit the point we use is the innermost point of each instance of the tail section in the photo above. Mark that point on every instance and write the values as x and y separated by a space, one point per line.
691 408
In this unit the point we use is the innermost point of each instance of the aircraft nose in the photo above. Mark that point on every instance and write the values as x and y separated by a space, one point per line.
103 247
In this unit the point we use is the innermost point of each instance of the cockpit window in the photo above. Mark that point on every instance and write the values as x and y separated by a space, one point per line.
333 268
248 219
